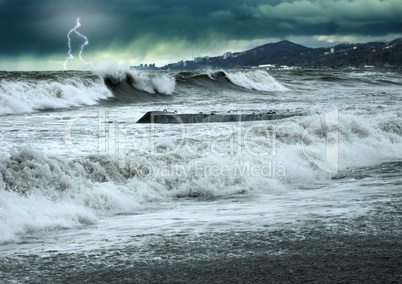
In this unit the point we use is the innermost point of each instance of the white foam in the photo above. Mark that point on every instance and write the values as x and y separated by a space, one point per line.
164 84
151 83
255 80
40 192
46 192
28 96
35 212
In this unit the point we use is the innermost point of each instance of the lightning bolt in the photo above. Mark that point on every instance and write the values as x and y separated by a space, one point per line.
70 56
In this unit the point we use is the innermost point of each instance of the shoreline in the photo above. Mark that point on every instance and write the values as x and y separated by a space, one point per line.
280 256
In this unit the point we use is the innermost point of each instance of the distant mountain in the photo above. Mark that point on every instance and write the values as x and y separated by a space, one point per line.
377 54
280 46
280 53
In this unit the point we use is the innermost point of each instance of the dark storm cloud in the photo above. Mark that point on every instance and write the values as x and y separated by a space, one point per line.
40 26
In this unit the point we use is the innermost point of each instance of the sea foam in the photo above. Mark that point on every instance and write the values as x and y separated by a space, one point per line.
149 82
257 80
39 191
25 96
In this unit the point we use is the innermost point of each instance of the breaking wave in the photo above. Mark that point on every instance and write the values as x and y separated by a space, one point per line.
39 191
135 86
256 80
251 80
26 92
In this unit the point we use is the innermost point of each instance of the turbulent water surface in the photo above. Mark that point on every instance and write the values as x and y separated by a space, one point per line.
79 179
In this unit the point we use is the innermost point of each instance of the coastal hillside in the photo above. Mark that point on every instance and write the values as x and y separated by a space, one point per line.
286 53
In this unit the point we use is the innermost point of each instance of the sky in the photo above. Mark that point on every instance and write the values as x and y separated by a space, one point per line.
130 32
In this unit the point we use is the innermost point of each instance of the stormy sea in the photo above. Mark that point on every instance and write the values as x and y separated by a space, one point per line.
87 195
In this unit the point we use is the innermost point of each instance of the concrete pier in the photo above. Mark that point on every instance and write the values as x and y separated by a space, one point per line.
165 117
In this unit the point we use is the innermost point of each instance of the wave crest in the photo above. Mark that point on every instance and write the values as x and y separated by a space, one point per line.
152 83
256 80
22 95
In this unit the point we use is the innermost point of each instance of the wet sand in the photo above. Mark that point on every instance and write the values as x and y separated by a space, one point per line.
368 250
277 257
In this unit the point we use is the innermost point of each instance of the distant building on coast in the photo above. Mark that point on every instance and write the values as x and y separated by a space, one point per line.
227 55
144 67
204 59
